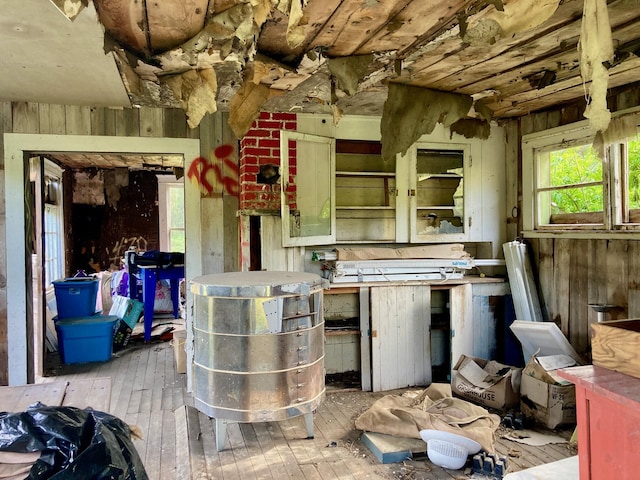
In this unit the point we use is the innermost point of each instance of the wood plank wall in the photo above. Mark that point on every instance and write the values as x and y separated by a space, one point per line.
37 118
572 273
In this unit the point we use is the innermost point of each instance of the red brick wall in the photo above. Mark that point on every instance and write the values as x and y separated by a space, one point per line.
261 146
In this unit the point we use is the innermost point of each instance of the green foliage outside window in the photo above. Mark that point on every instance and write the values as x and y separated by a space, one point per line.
579 165
575 166
176 219
634 173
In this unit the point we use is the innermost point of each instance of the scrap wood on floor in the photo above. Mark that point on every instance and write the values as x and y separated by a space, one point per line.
434 408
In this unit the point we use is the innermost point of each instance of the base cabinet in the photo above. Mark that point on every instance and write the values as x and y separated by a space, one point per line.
409 334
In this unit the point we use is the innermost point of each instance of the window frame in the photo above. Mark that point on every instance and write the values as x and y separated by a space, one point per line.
615 186
54 260
165 183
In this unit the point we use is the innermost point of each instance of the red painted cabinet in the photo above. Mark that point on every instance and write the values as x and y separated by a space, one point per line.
608 411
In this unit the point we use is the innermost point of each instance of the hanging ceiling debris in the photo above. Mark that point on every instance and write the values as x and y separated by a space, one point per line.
341 57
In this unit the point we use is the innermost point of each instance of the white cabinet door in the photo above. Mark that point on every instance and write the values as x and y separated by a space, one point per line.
307 192
400 336
438 192
462 329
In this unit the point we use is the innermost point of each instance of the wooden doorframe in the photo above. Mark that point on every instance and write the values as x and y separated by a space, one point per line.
17 148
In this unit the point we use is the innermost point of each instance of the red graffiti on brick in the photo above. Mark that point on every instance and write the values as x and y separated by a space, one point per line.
218 175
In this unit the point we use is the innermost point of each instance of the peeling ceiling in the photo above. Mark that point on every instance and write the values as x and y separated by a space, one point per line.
510 57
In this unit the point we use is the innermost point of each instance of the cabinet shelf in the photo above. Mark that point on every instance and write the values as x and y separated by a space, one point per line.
346 173
426 176
365 207
330 333
436 207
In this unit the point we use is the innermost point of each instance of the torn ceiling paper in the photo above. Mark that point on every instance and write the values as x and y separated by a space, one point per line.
596 47
411 112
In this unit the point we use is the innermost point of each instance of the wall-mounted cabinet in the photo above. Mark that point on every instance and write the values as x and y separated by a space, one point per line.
437 193
365 193
419 197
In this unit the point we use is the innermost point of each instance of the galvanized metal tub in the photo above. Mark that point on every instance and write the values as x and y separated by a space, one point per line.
258 345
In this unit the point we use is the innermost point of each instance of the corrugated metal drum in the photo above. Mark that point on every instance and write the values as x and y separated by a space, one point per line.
258 347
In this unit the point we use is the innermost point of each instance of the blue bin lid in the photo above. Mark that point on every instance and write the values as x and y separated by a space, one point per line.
75 280
88 320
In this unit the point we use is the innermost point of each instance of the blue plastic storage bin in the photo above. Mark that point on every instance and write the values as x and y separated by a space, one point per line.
86 339
76 296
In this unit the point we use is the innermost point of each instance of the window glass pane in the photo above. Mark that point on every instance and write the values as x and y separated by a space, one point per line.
176 206
634 173
439 191
576 200
176 240
571 166
310 199
570 186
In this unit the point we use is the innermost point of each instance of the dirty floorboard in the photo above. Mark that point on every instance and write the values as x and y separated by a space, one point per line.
146 391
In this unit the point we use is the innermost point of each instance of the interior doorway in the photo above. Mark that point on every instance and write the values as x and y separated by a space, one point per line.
18 149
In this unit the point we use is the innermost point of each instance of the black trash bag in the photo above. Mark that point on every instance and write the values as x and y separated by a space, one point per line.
75 443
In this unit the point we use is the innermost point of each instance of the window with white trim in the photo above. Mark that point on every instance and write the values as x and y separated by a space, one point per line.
171 213
574 187
53 223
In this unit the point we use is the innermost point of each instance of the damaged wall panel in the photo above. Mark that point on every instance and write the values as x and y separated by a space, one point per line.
100 232
411 112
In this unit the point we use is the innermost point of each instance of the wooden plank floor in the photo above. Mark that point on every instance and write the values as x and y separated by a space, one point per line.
146 391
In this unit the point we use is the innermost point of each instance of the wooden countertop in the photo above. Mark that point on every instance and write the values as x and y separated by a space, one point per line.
474 279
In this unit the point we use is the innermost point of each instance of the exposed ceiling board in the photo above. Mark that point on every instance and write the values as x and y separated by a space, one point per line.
132 162
414 42
47 58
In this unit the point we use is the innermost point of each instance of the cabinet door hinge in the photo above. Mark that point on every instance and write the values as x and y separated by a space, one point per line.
470 222
412 192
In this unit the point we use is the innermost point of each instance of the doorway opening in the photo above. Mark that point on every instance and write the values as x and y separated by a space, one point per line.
24 366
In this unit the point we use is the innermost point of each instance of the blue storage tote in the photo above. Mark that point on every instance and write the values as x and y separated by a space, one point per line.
76 296
86 339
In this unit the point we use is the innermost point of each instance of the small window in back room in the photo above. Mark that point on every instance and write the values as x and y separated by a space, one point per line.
171 213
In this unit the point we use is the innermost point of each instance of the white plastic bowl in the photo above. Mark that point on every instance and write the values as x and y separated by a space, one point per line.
472 446
446 454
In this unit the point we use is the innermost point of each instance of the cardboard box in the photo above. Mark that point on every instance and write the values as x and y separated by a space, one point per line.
127 309
122 335
544 396
487 383
614 345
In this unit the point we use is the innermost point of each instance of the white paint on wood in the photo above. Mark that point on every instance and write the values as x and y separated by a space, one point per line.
401 340
15 146
365 340
462 328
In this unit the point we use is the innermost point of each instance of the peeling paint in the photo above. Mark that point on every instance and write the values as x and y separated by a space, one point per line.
196 91
411 112
245 107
